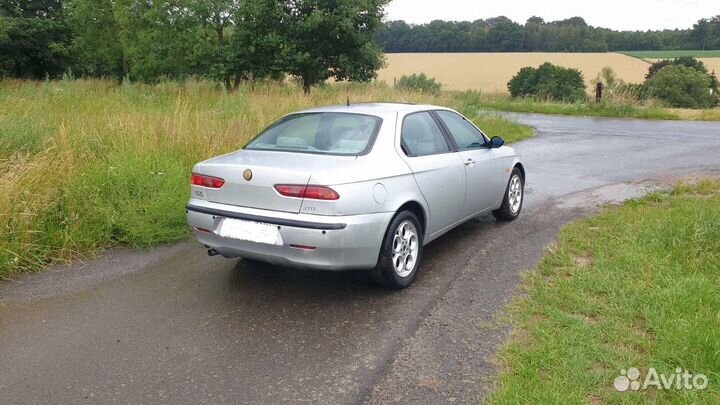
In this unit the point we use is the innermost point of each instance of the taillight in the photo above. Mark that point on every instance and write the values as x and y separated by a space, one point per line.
206 181
320 193
309 192
291 191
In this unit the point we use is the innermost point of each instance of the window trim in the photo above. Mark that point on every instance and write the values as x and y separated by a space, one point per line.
367 150
403 147
449 135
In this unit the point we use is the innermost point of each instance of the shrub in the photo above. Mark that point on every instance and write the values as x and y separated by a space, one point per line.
550 82
682 87
686 61
609 78
616 90
419 82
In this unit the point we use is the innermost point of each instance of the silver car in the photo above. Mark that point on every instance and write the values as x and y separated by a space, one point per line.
364 186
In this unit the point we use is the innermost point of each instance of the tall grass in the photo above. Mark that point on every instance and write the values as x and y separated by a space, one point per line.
617 106
90 164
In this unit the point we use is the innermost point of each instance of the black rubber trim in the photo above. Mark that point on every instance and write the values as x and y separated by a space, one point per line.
267 220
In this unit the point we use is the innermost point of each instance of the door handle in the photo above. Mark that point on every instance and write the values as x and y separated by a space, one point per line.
469 162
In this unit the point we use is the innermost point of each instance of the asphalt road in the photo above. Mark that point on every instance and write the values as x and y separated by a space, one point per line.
174 326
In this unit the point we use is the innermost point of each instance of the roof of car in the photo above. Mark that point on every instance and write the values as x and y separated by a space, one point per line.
375 108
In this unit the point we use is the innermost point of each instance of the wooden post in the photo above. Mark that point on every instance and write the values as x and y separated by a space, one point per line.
599 92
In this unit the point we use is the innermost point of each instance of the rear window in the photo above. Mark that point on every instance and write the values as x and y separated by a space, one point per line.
323 133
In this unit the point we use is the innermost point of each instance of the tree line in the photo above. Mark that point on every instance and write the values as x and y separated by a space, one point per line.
236 40
225 40
501 34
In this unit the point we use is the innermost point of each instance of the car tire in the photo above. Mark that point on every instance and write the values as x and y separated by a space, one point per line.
400 253
513 198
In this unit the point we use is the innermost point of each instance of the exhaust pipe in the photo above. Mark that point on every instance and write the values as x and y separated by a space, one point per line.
212 252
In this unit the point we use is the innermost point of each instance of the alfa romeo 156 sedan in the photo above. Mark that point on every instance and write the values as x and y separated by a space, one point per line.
363 186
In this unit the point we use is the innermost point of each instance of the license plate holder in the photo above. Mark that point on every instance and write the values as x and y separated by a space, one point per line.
249 231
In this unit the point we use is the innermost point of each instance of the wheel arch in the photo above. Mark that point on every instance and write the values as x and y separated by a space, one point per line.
522 170
417 209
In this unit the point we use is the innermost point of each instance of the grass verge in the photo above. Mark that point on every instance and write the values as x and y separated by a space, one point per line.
584 109
621 108
87 165
509 130
635 286
501 102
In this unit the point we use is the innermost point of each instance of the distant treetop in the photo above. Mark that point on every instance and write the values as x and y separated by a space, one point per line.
500 34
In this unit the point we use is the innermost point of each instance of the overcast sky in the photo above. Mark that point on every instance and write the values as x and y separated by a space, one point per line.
616 14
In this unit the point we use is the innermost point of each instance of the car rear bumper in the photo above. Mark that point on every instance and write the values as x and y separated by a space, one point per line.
340 242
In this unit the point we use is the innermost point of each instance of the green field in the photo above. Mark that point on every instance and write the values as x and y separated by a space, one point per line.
87 165
637 286
672 54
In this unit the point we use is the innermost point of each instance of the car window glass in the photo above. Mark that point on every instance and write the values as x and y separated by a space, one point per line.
421 136
466 136
323 133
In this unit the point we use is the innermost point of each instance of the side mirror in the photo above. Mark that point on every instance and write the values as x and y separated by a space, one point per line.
496 142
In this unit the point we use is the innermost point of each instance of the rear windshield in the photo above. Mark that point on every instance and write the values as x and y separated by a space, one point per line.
324 133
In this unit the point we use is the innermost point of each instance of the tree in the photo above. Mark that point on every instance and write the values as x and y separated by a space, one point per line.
686 61
682 87
548 81
161 39
504 34
534 34
215 18
702 33
34 39
332 38
4 28
395 36
609 79
217 14
714 43
95 47
256 46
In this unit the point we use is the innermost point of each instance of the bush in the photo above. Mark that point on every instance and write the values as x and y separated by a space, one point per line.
686 61
682 87
419 82
616 90
549 82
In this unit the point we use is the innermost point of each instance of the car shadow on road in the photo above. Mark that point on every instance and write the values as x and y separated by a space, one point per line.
440 265
264 275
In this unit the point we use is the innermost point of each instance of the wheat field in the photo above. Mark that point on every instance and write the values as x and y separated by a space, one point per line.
713 64
490 72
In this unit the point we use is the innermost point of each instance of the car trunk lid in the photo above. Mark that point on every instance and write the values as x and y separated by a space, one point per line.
250 177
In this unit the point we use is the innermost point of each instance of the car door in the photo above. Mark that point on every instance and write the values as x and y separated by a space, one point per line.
483 165
438 170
